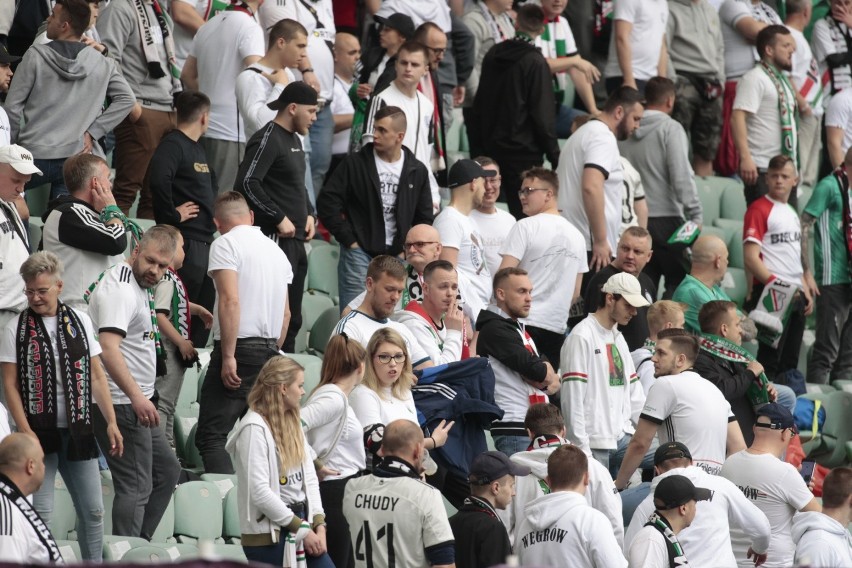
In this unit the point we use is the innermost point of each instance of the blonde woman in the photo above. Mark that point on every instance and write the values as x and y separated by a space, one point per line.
385 393
337 437
277 485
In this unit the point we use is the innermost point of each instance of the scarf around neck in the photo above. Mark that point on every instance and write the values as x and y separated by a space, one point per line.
392 466
675 551
722 348
12 494
838 63
179 313
786 111
149 45
38 377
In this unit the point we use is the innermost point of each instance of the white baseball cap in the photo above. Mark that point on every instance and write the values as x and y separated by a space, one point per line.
19 158
628 287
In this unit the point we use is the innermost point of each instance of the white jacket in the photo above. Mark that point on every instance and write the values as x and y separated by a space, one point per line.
561 529
821 542
599 407
443 346
600 493
260 498
707 541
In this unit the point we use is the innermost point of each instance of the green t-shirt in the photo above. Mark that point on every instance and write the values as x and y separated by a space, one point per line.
694 293
831 259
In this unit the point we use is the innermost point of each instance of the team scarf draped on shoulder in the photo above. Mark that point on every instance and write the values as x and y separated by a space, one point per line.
13 495
149 44
786 111
673 547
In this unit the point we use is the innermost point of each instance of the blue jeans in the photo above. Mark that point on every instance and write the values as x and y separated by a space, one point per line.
564 119
611 459
631 499
786 397
51 171
274 554
84 484
511 444
351 273
322 133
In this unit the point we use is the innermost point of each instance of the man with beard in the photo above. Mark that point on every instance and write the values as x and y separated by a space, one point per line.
764 116
121 307
683 407
592 177
385 284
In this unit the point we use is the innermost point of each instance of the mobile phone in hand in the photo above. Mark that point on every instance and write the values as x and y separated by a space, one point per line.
807 471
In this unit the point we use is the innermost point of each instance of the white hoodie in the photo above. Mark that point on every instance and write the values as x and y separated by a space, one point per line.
561 529
261 500
707 541
600 493
821 542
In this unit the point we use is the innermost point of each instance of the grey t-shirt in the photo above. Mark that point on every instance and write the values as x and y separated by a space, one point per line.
740 55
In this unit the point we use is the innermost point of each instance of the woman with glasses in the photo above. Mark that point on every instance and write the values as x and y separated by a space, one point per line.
385 393
278 496
51 372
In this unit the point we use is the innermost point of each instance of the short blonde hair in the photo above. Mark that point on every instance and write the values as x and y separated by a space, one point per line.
662 312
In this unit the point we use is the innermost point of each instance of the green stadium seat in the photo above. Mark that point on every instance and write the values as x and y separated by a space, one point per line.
819 388
189 388
805 192
201 376
192 457
710 198
732 203
322 271
312 365
36 227
115 547
166 529
224 481
313 305
739 290
185 419
828 448
198 512
64 517
37 199
841 384
709 230
805 352
736 257
232 552
231 518
70 551
159 553
732 228
322 330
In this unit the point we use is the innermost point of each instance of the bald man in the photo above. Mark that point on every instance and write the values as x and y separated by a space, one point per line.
24 536
392 514
362 206
347 52
703 283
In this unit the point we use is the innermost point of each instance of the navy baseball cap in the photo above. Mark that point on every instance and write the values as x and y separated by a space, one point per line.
671 451
490 466
676 490
780 418
465 171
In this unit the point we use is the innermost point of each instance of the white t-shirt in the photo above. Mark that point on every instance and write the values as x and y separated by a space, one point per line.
183 37
370 408
757 95
13 252
805 74
5 129
321 415
648 550
593 145
341 105
559 43
263 275
119 305
689 409
649 18
775 226
389 173
779 491
220 46
9 354
254 92
839 115
551 250
633 191
419 11
740 55
458 231
361 327
321 33
493 228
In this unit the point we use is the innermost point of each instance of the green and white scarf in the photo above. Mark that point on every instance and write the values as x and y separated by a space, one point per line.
786 111
722 348
673 547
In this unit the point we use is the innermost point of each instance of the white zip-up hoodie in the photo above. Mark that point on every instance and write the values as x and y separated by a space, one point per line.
600 493
261 501
561 529
821 541
707 541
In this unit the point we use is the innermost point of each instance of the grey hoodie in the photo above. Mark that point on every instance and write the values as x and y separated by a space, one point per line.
58 92
821 541
659 150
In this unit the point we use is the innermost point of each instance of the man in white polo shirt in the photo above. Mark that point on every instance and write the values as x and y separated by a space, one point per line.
683 407
251 316
121 307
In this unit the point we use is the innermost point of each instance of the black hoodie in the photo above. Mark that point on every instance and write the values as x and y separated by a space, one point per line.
514 108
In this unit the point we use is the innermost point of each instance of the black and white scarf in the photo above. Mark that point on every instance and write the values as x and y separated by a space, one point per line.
149 44
395 467
38 377
675 551
839 62
11 492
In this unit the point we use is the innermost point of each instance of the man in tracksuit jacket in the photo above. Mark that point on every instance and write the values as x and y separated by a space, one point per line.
522 376
371 200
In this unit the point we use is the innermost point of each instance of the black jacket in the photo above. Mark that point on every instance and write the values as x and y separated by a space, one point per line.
515 108
370 60
733 379
481 539
499 338
350 203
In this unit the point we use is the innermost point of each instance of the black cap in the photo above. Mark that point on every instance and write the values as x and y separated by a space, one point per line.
297 92
465 171
779 416
6 58
676 490
671 451
490 466
400 22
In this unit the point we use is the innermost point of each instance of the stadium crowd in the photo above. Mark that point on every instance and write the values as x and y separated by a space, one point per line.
537 355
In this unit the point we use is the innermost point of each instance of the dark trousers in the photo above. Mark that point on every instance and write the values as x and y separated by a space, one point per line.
831 358
221 406
199 286
337 527
668 260
549 343
145 476
777 360
759 189
294 250
511 168
612 83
